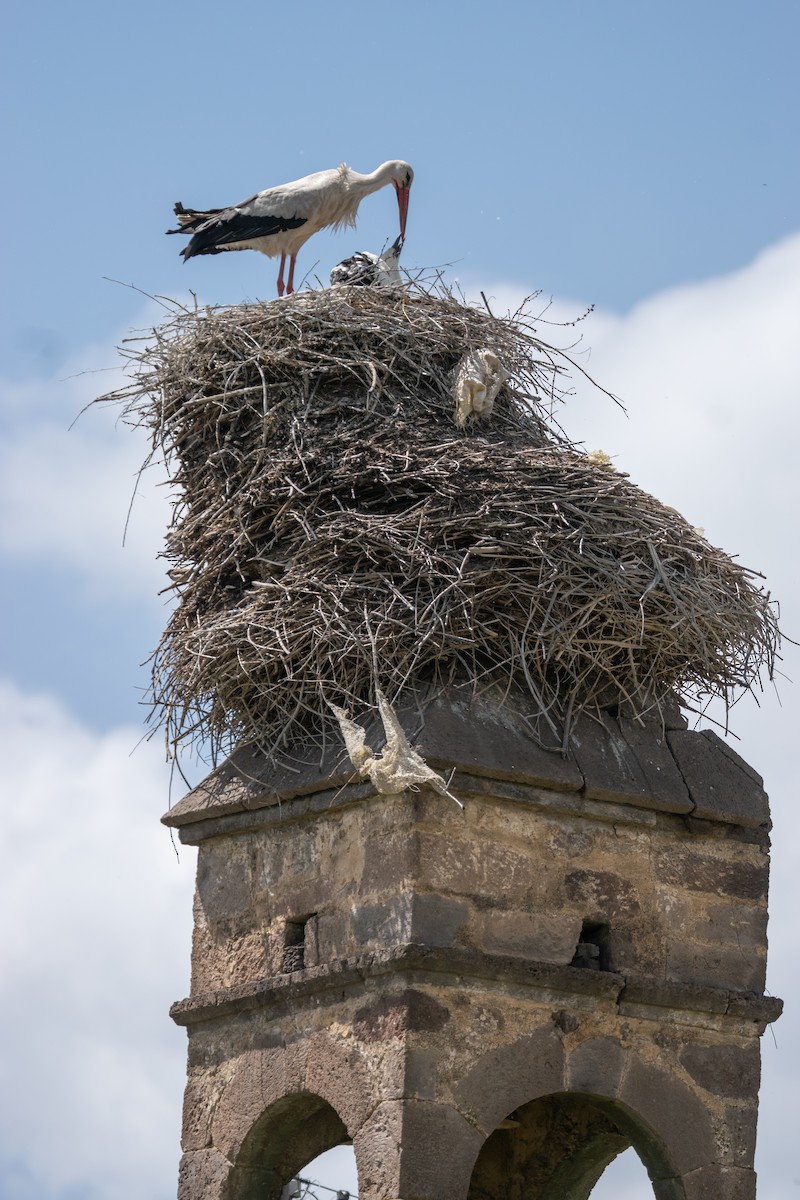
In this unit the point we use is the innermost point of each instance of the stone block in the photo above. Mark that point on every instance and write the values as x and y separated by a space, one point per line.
760 1010
480 737
445 1148
740 878
421 1073
476 867
716 966
717 1182
203 1175
721 785
250 780
393 1014
199 1101
637 946
666 788
677 1117
390 860
340 1074
601 896
334 935
437 920
224 881
509 1076
596 1066
725 1070
542 937
385 923
740 1132
259 1078
610 769
729 924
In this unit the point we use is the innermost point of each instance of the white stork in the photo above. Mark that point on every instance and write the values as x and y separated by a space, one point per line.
363 269
280 219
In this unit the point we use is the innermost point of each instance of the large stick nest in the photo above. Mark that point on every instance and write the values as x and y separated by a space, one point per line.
334 532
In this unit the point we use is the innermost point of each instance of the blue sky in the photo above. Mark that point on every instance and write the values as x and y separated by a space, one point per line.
637 157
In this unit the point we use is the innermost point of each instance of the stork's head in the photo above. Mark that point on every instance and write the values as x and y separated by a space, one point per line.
402 177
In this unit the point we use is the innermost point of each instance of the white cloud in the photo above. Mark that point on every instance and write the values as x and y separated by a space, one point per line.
95 945
66 484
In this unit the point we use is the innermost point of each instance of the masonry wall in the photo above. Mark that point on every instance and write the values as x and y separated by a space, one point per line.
587 955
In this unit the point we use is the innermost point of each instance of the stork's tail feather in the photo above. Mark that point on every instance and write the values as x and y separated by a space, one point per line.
190 218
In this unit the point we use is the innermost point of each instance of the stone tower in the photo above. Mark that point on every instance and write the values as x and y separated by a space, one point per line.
373 502
488 1003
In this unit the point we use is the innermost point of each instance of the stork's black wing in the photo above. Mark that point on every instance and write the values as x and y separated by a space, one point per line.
221 231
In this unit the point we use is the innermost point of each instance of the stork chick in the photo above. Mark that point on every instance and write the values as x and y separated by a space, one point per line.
370 270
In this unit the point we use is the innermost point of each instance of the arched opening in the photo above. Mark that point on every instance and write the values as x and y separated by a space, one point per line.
328 1174
290 1135
561 1145
624 1179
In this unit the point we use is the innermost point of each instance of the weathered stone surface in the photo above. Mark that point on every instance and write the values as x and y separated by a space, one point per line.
730 924
445 1147
741 878
610 769
259 1078
336 1071
726 1070
224 881
717 966
203 1173
602 895
464 866
395 1013
715 1182
248 780
666 788
740 1132
511 1075
659 993
385 923
721 785
421 1073
335 935
436 995
669 1106
532 935
390 859
596 1066
760 1010
199 1100
477 736
437 920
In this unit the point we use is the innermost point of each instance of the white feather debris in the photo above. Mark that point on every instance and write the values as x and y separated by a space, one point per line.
398 766
599 458
479 377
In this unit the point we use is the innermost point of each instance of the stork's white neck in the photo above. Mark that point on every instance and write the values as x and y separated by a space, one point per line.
366 184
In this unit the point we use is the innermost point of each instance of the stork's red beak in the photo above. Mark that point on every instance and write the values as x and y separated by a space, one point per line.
402 204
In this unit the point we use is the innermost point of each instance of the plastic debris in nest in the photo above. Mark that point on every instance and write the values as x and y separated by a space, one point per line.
479 377
398 766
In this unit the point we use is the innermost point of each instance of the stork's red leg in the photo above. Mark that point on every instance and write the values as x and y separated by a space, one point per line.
280 276
290 284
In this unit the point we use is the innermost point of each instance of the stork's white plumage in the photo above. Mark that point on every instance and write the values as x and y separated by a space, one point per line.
370 270
281 219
